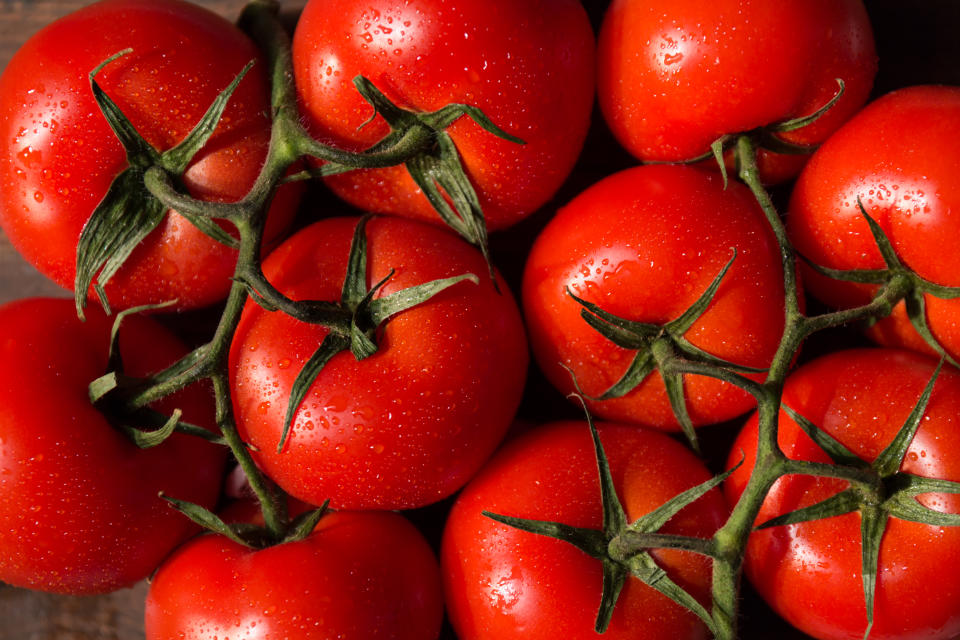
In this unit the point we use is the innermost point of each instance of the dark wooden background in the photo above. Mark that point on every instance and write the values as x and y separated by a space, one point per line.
917 43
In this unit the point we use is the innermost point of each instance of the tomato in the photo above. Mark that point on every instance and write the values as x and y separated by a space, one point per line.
59 155
896 157
408 425
527 65
358 575
674 76
811 572
504 583
644 244
79 510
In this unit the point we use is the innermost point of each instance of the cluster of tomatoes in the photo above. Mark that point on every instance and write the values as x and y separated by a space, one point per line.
378 365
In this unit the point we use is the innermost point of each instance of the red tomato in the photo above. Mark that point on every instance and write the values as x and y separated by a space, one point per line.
408 425
358 575
527 64
810 573
676 75
79 510
644 244
897 156
503 583
59 155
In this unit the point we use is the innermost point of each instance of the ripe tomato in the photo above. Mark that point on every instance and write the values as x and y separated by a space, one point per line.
644 244
358 575
504 583
674 76
408 425
528 65
59 154
897 157
810 573
79 510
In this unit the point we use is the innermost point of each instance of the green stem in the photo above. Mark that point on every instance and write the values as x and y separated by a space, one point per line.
750 174
771 463
259 20
630 543
272 502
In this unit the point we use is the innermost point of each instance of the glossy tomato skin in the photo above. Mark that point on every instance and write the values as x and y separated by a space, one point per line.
503 583
79 510
59 154
673 77
528 65
358 575
644 244
897 156
810 573
408 425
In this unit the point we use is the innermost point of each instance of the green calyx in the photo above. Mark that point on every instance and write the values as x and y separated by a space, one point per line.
662 348
897 275
145 427
420 142
623 547
128 212
882 491
354 320
251 535
768 137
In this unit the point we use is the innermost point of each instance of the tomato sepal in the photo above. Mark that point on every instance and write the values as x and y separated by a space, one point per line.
615 544
250 536
129 212
366 315
304 524
432 159
885 492
153 427
830 445
661 348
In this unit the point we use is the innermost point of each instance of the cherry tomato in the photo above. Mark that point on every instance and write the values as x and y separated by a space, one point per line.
504 583
527 65
60 155
810 573
896 156
676 75
408 425
644 244
79 510
358 575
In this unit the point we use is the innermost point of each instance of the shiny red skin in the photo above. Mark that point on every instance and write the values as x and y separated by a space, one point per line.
358 575
644 244
408 425
503 583
527 64
810 573
897 156
79 510
674 76
59 154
